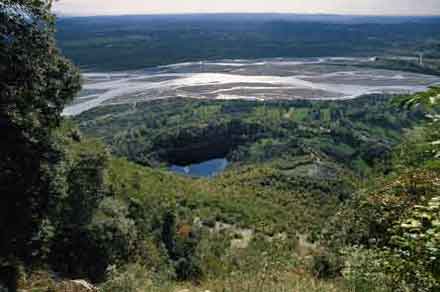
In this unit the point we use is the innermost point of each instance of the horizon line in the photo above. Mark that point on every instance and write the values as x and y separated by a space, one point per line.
66 15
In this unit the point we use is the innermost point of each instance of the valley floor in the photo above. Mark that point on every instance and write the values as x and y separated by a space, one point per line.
263 80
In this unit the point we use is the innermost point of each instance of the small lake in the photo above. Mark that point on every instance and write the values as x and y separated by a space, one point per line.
207 168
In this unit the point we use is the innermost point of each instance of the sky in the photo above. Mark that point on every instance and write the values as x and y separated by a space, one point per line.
362 7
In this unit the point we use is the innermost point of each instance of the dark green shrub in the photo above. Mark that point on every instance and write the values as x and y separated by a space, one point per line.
181 248
327 265
87 251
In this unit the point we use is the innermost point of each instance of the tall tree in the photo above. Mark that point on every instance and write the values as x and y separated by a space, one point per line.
36 82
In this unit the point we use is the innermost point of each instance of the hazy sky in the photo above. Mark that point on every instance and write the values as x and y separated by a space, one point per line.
388 7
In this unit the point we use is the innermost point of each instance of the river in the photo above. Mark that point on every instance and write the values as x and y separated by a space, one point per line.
315 78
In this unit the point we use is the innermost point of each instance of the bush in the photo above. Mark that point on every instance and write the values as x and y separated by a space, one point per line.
416 243
87 251
131 278
181 247
364 271
327 265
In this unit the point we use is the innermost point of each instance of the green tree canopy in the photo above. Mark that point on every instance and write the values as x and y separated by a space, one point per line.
36 82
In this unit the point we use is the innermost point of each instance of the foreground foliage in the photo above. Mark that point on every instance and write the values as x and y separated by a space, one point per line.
35 84
391 229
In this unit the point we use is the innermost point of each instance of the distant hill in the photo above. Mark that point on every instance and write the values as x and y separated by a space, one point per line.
133 42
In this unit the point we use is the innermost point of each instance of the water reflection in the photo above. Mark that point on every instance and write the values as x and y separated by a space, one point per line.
207 168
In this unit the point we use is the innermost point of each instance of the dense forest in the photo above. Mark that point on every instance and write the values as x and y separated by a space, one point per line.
355 133
136 42
320 195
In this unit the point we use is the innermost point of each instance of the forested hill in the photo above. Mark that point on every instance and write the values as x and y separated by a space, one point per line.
133 42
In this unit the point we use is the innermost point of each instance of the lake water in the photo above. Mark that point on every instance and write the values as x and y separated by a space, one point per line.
207 168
